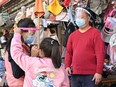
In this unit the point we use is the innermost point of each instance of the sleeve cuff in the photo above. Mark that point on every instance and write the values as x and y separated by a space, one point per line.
17 35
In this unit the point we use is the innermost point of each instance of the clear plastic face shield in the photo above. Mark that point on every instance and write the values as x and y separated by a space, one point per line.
79 13
31 36
81 17
31 33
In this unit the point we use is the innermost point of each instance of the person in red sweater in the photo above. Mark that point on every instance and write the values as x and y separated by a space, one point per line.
85 53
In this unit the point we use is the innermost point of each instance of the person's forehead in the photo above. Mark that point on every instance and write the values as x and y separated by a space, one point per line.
31 32
81 14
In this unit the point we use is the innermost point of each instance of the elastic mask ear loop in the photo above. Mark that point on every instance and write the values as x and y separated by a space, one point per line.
52 41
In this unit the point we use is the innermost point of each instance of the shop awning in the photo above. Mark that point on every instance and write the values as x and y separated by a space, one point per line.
3 1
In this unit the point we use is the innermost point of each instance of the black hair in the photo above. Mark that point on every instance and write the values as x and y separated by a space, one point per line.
92 14
9 43
50 47
17 72
107 57
26 23
51 26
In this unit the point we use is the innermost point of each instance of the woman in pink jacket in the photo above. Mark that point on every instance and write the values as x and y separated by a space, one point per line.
43 71
14 74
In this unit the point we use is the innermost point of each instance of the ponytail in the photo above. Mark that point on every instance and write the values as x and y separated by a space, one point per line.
50 48
55 55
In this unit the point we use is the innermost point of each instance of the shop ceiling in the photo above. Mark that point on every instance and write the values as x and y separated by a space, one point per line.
12 7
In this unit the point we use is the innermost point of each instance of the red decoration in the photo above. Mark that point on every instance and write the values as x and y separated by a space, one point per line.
3 1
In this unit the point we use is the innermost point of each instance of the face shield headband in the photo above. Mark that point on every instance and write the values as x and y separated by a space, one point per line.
79 11
22 28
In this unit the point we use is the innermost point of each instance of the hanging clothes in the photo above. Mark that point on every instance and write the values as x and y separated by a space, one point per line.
70 28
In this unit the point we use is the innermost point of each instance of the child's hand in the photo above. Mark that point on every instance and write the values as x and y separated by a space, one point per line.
68 71
17 30
34 51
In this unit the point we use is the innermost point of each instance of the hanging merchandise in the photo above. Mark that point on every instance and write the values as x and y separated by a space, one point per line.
82 3
108 29
3 39
52 22
30 13
47 13
3 18
1 21
112 43
36 21
113 52
70 15
66 15
21 14
55 8
98 6
114 4
66 3
108 11
39 11
44 22
113 13
69 29
63 16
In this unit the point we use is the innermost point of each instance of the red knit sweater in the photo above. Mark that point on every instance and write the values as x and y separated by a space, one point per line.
85 52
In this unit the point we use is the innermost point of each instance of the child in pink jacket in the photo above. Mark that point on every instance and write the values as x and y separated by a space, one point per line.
45 71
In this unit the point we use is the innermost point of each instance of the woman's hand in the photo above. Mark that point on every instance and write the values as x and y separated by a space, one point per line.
17 30
34 51
97 78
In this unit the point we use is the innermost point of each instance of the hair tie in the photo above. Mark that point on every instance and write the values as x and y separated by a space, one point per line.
52 41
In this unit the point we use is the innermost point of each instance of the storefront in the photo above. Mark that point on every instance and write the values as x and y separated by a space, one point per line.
61 14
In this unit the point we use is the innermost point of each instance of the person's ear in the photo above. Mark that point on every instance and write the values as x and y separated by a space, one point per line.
89 19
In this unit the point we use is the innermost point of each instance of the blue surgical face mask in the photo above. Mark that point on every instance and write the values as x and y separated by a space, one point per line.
29 39
80 23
